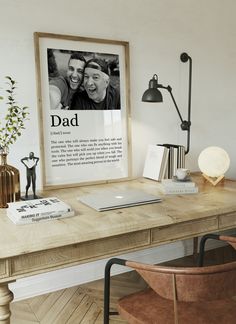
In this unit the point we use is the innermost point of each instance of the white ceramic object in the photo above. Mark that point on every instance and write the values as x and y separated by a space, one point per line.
182 174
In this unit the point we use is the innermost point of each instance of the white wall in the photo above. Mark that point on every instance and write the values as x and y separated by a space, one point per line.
158 31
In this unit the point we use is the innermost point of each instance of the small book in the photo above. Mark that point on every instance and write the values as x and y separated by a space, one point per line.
155 162
38 209
37 219
180 191
172 183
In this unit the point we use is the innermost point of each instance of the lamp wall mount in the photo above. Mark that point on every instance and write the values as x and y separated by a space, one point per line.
153 94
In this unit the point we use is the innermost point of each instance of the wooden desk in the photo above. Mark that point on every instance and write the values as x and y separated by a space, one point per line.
37 248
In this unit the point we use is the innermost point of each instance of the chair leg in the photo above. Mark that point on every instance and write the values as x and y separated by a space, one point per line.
107 286
202 246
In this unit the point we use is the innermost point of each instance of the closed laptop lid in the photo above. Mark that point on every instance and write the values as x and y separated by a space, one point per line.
117 198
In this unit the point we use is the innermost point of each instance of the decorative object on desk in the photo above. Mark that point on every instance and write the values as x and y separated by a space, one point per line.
179 187
175 179
213 162
155 162
9 132
153 94
9 182
30 162
95 141
182 174
34 211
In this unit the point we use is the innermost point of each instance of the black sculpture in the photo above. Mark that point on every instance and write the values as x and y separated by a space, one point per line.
30 163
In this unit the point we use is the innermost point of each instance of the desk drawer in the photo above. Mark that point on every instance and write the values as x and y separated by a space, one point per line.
183 230
78 253
227 221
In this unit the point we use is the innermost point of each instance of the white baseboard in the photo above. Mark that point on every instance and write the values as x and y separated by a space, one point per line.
69 277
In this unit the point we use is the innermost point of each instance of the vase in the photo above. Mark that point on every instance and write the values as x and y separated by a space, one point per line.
9 182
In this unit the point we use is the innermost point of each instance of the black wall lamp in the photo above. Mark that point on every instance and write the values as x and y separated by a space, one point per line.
153 94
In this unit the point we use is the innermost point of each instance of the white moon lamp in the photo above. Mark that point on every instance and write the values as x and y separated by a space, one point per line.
213 163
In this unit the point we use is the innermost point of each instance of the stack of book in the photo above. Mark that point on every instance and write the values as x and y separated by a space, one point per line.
156 162
177 187
163 160
37 210
176 159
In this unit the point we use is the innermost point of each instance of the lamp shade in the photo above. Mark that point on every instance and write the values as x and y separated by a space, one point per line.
152 94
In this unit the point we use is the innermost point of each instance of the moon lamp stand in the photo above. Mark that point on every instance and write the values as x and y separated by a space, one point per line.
212 180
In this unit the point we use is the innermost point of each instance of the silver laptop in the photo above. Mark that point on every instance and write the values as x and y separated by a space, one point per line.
111 199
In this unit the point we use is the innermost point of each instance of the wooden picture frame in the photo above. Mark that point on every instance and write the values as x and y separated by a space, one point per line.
83 140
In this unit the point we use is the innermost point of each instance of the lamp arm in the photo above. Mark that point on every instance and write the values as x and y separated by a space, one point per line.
185 124
175 104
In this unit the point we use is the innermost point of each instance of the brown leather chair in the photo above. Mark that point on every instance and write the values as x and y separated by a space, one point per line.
231 240
196 295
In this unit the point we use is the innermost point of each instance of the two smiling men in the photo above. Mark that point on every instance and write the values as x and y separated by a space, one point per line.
98 93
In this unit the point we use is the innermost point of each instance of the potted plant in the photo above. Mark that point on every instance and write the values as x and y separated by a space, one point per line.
10 130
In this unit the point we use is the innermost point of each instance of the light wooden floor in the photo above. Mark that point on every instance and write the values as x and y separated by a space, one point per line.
84 304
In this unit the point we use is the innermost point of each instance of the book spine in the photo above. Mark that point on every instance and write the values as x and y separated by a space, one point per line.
164 164
180 191
41 218
182 157
176 159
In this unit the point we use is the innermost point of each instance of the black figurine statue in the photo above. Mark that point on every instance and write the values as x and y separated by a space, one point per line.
30 162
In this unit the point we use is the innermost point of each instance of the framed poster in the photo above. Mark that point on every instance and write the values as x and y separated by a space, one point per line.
84 109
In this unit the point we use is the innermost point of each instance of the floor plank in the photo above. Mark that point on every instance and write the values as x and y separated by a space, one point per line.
66 312
45 305
80 311
22 314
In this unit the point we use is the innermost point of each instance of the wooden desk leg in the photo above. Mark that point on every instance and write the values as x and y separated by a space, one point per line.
6 296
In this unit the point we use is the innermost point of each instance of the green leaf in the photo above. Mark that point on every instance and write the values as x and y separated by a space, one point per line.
15 116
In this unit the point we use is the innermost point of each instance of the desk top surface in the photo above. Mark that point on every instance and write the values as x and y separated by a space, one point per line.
89 224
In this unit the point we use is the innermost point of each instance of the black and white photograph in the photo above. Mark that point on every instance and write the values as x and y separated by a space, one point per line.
84 109
83 80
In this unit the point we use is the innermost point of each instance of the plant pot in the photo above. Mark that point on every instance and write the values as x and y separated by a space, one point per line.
9 182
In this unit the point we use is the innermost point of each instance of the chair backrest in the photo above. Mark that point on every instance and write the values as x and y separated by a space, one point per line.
190 284
229 239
